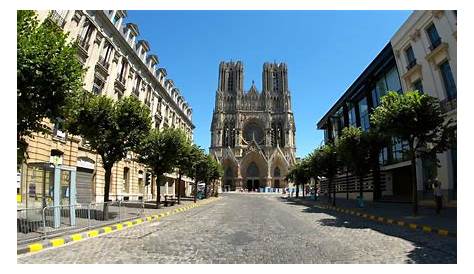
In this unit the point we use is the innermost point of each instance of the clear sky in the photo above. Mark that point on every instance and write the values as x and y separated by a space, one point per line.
325 52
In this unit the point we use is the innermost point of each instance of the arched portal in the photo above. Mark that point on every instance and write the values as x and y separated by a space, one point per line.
253 176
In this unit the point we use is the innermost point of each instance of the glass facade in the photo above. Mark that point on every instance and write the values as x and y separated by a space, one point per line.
364 114
388 82
352 117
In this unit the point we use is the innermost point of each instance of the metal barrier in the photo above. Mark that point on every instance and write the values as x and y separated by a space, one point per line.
34 223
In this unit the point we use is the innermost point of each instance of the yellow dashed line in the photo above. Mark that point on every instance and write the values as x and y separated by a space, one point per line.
128 224
380 219
139 221
76 237
426 229
401 223
93 233
442 232
107 229
148 218
390 221
35 247
57 242
412 226
119 226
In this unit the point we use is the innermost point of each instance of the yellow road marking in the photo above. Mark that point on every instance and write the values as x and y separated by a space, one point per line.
119 226
148 218
412 226
57 242
35 247
107 229
426 229
76 237
442 232
390 221
93 233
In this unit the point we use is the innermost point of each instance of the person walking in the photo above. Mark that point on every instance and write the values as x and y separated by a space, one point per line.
437 195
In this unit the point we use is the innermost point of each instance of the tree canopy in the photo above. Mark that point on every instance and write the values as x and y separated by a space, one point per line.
48 72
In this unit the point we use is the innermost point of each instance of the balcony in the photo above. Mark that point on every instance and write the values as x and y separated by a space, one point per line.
448 104
120 83
57 18
411 64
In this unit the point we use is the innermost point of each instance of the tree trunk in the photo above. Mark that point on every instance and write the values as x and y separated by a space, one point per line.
108 175
195 190
302 186
158 191
414 185
333 193
297 190
179 188
376 178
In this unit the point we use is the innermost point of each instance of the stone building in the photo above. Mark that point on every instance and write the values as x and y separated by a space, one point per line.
252 132
117 64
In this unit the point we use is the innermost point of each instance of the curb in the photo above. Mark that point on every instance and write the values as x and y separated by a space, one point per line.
56 242
385 220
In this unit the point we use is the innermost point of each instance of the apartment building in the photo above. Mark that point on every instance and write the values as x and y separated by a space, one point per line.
118 62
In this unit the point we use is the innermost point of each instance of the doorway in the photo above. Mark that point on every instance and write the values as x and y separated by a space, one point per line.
253 184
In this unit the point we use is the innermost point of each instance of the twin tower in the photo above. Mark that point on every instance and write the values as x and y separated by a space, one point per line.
252 132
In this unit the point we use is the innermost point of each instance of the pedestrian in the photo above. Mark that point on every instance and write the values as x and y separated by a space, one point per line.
437 195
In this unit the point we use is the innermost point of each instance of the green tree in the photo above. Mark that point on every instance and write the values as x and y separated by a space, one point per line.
185 161
197 171
325 163
160 150
112 128
300 174
353 150
48 72
418 119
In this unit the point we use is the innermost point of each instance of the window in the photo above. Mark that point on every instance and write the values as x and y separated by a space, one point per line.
392 80
433 35
399 149
115 19
105 55
410 55
337 123
97 86
136 89
418 85
364 114
448 80
379 91
122 71
352 116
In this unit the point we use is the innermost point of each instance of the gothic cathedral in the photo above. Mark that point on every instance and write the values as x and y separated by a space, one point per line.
252 132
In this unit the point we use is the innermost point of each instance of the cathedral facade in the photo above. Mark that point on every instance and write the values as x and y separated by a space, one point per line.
252 132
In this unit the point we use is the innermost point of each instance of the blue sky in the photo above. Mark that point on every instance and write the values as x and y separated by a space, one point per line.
325 52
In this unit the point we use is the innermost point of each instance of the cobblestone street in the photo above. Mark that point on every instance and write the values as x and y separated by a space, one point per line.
256 228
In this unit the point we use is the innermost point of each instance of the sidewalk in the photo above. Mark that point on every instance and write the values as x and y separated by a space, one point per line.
397 211
82 223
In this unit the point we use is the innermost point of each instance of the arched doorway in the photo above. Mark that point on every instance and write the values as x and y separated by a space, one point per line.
253 177
229 183
276 177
